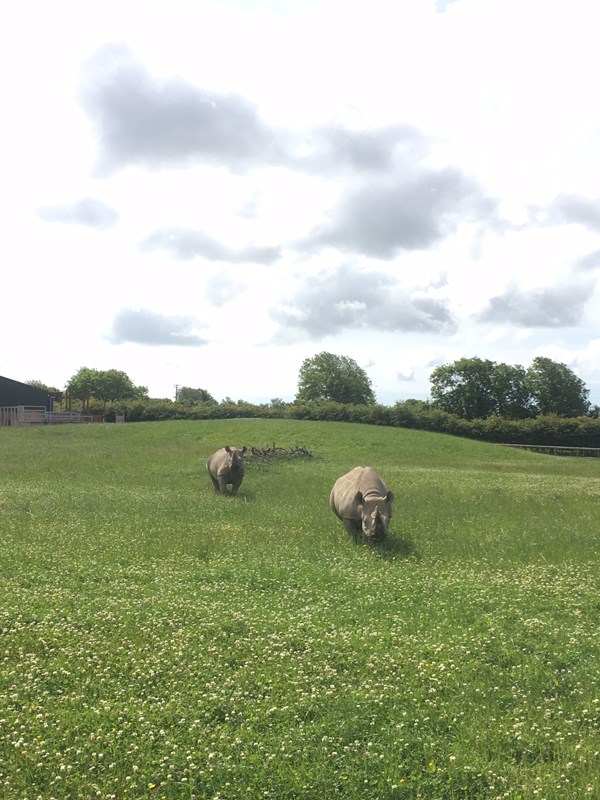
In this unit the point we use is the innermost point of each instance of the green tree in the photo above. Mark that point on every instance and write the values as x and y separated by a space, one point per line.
475 388
465 388
278 403
81 386
43 386
103 385
511 392
113 384
330 377
189 396
555 389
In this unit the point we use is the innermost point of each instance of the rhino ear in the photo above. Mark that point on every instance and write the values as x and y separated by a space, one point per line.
227 448
389 497
244 449
359 498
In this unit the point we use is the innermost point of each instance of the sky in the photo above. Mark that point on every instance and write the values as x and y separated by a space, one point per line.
206 194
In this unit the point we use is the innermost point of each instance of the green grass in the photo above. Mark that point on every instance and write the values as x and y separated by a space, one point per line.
158 640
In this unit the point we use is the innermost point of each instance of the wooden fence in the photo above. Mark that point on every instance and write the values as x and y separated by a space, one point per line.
25 416
559 450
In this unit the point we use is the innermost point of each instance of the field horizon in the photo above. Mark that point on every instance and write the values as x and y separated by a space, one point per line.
161 640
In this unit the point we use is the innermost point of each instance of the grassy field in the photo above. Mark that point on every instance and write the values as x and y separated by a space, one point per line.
161 641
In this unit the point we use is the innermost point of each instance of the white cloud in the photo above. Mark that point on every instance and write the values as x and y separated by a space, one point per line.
86 211
347 298
231 187
547 307
144 327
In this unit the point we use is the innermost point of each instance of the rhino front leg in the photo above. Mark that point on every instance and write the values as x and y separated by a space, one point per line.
235 485
352 526
222 484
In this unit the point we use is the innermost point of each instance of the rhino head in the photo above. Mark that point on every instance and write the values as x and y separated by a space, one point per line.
375 514
235 458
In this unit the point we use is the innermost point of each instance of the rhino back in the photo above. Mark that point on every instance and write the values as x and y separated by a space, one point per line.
370 483
343 495
217 463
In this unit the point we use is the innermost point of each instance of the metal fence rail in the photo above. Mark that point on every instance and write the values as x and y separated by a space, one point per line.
58 417
22 416
25 416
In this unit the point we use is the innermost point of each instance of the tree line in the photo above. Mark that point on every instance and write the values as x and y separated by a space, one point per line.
475 388
469 388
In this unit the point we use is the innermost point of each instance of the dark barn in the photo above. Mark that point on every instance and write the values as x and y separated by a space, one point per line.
22 404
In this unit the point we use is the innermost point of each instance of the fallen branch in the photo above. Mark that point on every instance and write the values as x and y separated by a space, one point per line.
270 453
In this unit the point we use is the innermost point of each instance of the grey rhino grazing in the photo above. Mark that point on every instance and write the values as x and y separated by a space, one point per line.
226 466
363 502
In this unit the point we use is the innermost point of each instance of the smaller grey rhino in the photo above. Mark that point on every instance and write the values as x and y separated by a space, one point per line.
226 466
363 502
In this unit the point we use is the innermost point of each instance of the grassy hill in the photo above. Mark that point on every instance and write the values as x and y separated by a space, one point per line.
158 640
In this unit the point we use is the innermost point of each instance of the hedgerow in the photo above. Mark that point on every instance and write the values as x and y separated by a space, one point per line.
548 429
